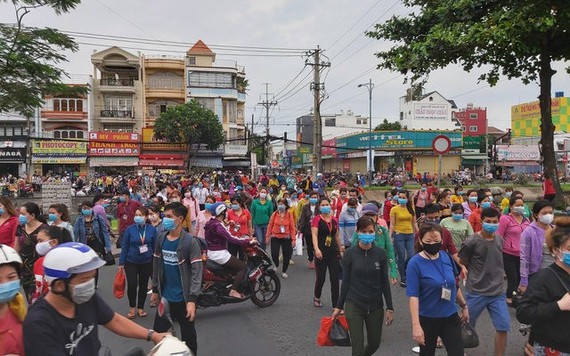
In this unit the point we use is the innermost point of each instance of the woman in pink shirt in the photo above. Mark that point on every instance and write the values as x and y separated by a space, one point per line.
510 229
203 217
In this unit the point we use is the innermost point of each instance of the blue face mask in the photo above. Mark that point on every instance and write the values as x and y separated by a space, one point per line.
325 209
1 211
490 198
366 239
424 189
139 220
122 199
8 290
457 217
402 201
351 210
566 258
23 219
281 207
486 204
86 212
508 194
52 217
313 200
235 206
105 205
460 192
208 206
168 224
473 199
489 227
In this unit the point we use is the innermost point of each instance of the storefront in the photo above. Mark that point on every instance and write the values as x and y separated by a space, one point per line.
59 157
160 154
518 158
113 152
12 161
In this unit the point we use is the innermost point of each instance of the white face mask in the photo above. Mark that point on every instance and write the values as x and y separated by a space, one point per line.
546 218
83 292
42 248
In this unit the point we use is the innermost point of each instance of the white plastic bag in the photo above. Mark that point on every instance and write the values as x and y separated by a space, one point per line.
299 245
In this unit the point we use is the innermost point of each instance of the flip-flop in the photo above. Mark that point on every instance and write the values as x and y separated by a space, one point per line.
131 315
142 313
317 302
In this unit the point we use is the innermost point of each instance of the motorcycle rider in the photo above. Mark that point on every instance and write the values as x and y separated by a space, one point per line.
217 237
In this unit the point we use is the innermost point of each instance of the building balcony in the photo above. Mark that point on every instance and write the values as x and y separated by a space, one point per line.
165 63
117 85
117 116
53 115
200 92
165 93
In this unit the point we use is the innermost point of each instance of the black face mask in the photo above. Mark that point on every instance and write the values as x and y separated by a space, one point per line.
432 249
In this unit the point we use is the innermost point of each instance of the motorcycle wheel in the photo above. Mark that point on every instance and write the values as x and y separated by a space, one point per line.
266 290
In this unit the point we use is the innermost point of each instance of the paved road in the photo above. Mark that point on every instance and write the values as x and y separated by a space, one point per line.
289 327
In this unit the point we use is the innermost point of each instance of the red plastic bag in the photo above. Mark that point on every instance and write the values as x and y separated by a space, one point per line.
323 338
119 284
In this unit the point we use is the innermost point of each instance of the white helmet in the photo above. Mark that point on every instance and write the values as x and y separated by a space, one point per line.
218 208
9 255
68 259
170 346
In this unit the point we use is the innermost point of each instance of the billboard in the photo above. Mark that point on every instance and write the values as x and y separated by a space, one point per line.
532 110
114 144
518 153
329 147
423 111
59 147
151 143
396 140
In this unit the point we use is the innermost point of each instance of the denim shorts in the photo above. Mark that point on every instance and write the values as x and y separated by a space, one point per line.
497 307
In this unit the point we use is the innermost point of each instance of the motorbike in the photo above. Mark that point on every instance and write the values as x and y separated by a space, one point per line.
260 284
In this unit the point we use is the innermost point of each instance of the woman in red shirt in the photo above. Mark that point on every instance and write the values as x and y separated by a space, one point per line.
281 230
12 303
548 188
239 219
8 222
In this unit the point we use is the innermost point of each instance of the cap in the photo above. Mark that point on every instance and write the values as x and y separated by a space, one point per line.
370 208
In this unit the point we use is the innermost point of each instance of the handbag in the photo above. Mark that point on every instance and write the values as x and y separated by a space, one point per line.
299 245
469 336
109 259
339 334
119 284
323 335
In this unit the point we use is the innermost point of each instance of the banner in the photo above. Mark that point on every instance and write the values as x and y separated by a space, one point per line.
107 137
50 147
9 154
396 140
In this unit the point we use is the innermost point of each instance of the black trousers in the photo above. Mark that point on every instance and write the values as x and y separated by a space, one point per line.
187 328
236 251
330 261
137 282
286 246
512 265
309 244
449 329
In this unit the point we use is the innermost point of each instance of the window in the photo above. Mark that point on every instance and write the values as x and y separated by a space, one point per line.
473 116
118 127
230 107
116 102
463 128
68 132
207 103
473 128
211 80
67 104
166 80
191 61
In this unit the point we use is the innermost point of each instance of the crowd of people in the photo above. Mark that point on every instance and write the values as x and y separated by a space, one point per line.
455 252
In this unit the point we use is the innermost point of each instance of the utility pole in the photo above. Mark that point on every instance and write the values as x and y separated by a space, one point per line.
267 104
370 159
317 87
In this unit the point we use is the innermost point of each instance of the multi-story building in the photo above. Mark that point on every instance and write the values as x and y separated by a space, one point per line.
473 121
14 140
431 111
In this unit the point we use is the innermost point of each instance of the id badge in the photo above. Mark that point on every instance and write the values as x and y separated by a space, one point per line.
328 241
282 229
445 293
143 248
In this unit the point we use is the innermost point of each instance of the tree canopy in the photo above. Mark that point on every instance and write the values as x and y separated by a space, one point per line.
190 123
388 126
30 58
511 38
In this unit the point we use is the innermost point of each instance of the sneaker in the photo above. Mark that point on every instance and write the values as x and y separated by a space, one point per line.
311 265
291 262
284 275
416 349
403 284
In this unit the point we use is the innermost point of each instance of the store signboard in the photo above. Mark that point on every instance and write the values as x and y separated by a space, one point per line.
424 111
59 147
518 153
396 140
10 154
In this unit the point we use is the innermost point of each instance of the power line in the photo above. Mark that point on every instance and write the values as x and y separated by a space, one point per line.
292 80
126 19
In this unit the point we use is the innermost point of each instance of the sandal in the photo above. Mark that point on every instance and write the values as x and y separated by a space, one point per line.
131 315
439 343
142 313
317 302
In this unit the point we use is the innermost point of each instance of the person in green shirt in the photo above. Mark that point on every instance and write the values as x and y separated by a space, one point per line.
261 210
460 228
382 240
527 214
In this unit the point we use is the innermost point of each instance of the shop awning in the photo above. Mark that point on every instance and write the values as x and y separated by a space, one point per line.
206 162
161 162
236 163
113 161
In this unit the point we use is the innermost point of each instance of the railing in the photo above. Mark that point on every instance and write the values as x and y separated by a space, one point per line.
118 82
117 113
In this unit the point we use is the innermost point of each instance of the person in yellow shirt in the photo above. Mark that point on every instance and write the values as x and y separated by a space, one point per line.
457 198
505 201
403 227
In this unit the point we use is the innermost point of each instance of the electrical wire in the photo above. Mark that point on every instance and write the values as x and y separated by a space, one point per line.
292 80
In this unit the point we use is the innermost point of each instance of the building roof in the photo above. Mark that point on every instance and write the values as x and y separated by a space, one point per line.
492 130
200 48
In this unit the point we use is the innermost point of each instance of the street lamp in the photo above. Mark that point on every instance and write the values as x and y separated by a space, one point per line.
369 86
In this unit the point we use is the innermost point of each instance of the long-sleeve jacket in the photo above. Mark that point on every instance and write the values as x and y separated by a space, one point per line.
217 236
134 237
532 241
189 256
304 224
260 213
384 242
125 214
277 222
511 232
99 229
539 308
365 278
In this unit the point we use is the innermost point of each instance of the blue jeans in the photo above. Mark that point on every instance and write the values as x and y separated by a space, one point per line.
404 246
260 232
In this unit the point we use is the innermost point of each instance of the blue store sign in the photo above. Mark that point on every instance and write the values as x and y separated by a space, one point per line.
397 140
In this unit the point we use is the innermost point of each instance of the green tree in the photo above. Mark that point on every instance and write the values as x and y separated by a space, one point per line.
388 126
29 58
511 38
190 124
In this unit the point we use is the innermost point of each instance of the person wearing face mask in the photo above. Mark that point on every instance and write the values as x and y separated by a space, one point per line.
48 238
177 274
403 226
125 212
482 254
474 218
58 215
517 194
546 303
328 248
200 193
459 228
193 209
154 217
309 211
511 227
239 219
281 232
347 222
337 203
421 198
433 295
204 216
457 197
90 229
261 210
13 307
470 203
65 321
505 201
8 222
365 289
137 248
390 202
31 222
100 204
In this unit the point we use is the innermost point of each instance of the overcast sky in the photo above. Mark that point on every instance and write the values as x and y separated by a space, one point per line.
337 26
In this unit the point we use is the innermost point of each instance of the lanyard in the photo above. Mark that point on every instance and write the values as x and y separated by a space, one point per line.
441 272
329 224
142 237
